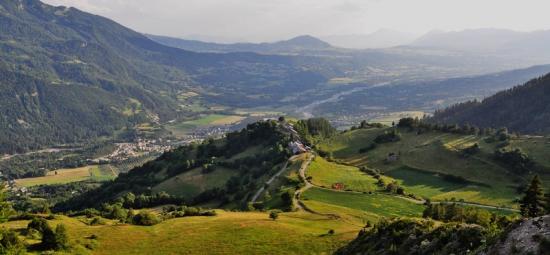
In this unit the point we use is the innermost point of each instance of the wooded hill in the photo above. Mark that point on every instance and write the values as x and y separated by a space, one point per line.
67 75
524 109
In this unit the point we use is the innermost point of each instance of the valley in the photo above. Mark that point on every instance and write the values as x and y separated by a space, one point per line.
115 139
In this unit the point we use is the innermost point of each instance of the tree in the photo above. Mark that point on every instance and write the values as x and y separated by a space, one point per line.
5 207
273 215
532 204
61 237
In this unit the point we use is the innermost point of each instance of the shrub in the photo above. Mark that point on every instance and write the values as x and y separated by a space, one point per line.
61 237
146 219
274 215
10 243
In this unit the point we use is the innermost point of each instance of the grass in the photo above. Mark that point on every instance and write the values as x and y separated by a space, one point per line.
374 204
61 176
193 182
325 174
434 154
226 233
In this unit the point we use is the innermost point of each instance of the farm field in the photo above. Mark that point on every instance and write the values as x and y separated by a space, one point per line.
226 233
326 174
426 159
95 173
182 128
374 204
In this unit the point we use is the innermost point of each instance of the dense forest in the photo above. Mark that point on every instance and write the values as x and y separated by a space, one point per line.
522 109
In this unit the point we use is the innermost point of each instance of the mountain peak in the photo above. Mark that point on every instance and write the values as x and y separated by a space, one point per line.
306 41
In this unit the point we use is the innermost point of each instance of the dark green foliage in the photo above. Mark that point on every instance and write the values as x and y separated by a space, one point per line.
521 109
61 237
388 137
10 243
274 215
145 219
314 129
516 159
532 204
456 213
413 236
185 211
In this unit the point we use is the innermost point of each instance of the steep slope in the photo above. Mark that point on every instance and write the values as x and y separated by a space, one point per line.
523 108
87 56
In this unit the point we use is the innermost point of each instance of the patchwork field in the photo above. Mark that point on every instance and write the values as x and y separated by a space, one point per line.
327 174
95 173
226 233
183 128
426 160
376 205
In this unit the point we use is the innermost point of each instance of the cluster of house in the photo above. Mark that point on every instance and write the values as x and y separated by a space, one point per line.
125 151
15 189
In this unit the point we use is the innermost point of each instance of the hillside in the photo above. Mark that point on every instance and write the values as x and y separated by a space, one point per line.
431 163
522 109
48 50
224 173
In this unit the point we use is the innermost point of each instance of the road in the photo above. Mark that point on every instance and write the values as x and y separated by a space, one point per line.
259 192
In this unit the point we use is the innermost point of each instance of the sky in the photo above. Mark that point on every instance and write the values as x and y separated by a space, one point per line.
271 20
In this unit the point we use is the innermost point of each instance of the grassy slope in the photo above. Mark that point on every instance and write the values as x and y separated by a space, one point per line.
227 233
379 205
325 174
425 156
192 183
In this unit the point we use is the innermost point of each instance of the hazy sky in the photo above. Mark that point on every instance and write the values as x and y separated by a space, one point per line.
268 20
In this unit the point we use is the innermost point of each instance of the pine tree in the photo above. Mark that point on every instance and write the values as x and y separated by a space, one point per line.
532 204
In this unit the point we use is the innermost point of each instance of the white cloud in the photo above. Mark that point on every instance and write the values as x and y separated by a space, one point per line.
267 20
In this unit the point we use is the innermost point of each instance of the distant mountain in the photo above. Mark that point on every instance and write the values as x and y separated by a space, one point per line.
68 76
523 108
294 45
383 38
490 41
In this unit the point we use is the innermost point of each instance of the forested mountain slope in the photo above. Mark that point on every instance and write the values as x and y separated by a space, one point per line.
523 108
63 68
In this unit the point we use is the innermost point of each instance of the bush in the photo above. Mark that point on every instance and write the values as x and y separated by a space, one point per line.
274 215
97 221
146 219
10 243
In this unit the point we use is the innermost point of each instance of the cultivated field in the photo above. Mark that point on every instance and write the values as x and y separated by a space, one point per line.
426 159
95 173
327 174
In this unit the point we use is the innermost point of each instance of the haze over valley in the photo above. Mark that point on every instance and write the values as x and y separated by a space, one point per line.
288 127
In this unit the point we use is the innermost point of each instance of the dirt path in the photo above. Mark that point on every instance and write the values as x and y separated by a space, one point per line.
302 172
261 190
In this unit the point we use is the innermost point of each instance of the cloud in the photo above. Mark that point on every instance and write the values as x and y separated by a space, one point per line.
269 20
